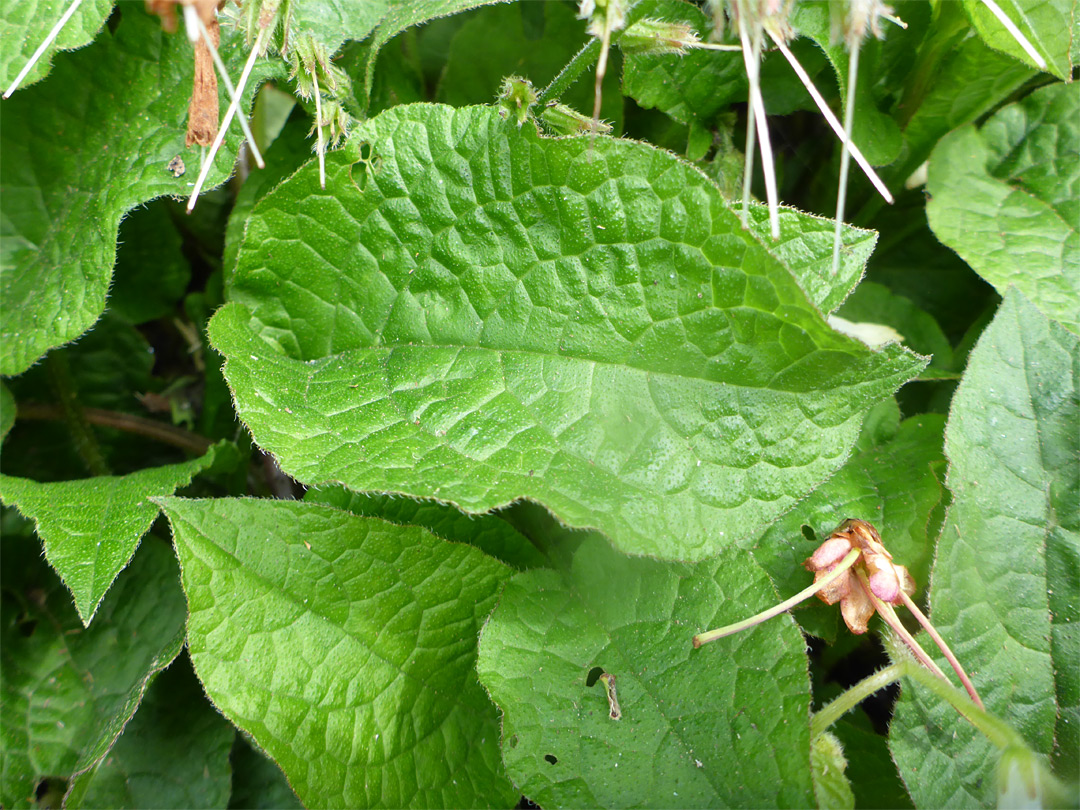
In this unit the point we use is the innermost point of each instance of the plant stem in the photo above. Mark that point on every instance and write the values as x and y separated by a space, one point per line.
1000 733
845 155
889 615
852 697
946 651
169 434
72 413
776 610
585 58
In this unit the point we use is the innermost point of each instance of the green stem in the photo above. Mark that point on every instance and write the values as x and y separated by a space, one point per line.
73 414
586 57
997 731
169 434
776 610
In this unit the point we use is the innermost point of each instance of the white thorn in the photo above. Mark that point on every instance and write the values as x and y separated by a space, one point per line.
318 129
751 57
834 122
189 11
845 154
1010 26
751 143
42 47
248 66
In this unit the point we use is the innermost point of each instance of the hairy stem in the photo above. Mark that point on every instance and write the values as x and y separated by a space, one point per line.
946 651
72 413
168 434
1000 733
787 604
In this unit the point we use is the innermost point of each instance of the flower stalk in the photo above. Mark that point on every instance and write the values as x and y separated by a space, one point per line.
854 568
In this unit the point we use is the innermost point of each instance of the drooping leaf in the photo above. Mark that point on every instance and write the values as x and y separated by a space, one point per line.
828 764
1051 26
495 315
173 754
893 485
70 173
723 726
91 527
24 26
346 647
691 88
68 691
490 534
1011 538
1006 197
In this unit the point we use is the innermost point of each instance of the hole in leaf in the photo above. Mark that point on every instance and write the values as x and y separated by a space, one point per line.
27 627
593 676
50 791
808 533
551 758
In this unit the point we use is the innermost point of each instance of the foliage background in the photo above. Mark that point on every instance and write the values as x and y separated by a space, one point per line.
347 496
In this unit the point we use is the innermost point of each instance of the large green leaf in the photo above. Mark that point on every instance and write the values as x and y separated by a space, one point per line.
331 22
482 314
1051 26
1009 546
80 150
346 647
691 88
92 526
971 80
24 26
1007 199
723 726
68 691
489 533
173 754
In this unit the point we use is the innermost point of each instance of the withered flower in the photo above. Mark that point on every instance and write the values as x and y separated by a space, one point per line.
886 579
854 568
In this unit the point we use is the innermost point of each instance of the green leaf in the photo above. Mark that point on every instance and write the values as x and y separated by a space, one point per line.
876 303
972 80
1013 444
173 754
723 726
24 26
68 691
258 783
404 14
1051 26
331 22
691 88
873 131
69 175
148 239
489 533
827 762
91 527
1007 199
496 42
805 248
346 647
7 411
648 368
893 485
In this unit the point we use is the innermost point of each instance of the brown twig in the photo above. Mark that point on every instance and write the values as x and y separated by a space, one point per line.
152 429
